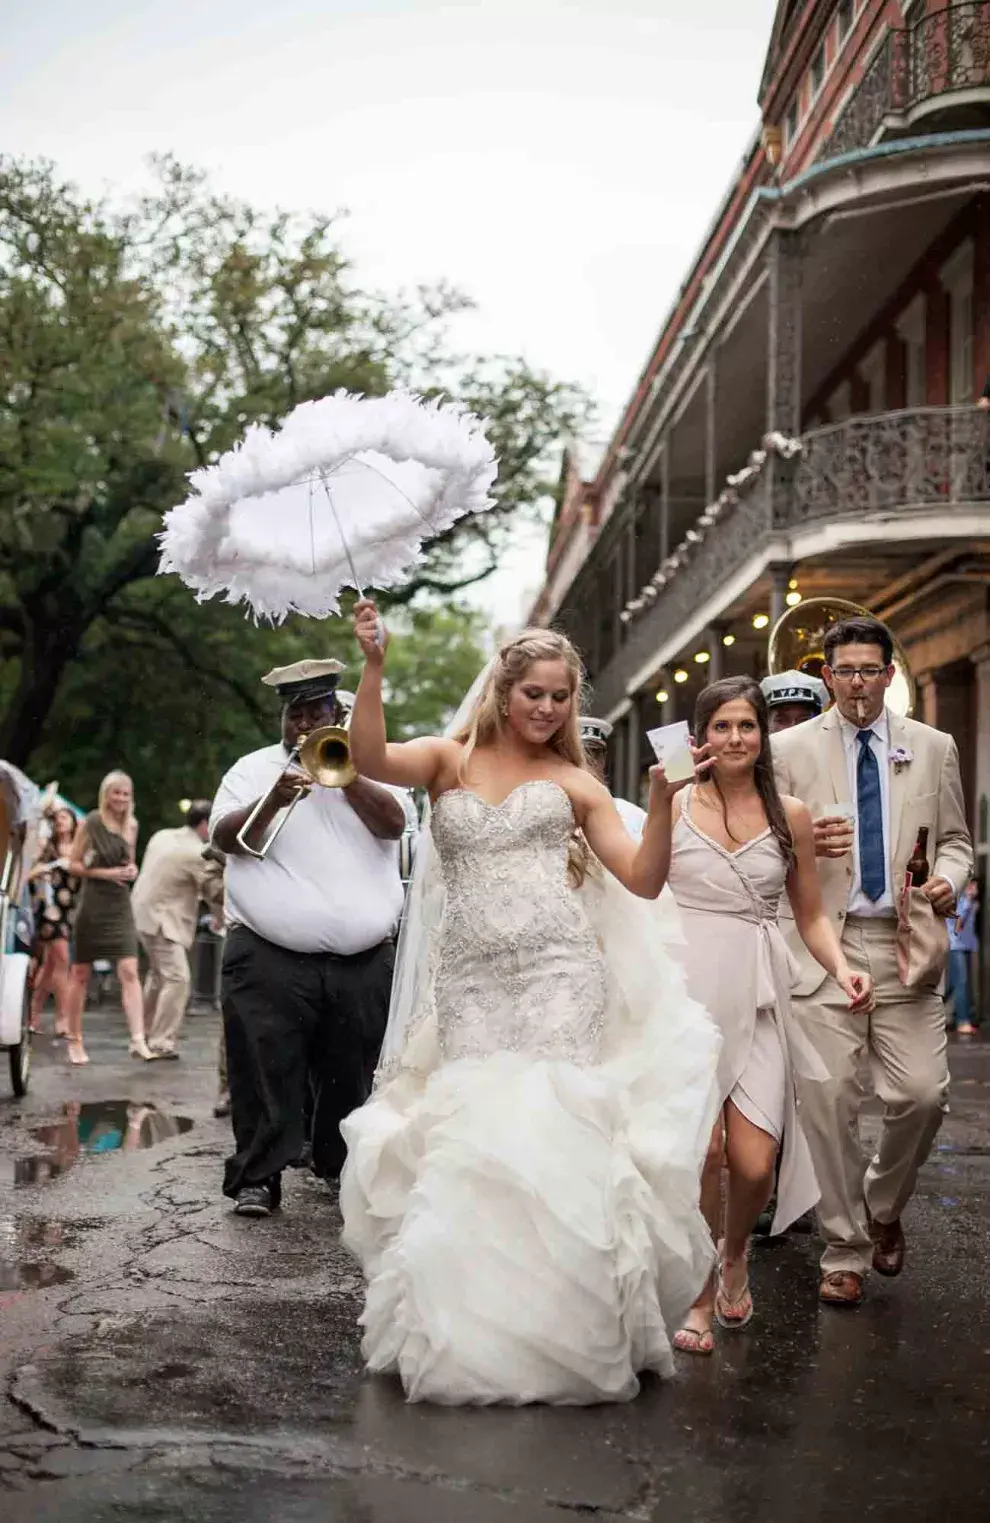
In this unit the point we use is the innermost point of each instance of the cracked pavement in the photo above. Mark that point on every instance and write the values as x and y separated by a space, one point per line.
162 1359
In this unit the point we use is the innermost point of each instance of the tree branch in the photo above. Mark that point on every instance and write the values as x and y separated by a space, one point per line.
405 594
139 620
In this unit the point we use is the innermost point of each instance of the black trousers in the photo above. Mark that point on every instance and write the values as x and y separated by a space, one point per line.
291 1018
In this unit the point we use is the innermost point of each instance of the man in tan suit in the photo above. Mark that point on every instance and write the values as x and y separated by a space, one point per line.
892 776
174 879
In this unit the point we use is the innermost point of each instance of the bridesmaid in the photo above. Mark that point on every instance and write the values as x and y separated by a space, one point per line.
103 856
737 845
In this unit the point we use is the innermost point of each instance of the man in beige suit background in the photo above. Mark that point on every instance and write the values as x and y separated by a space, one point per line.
174 879
891 776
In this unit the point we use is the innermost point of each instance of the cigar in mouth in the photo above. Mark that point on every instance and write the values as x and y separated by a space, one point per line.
861 711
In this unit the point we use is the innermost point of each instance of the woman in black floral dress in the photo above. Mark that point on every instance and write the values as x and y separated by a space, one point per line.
55 891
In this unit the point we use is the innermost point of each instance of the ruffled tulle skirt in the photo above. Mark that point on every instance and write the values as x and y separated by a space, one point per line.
529 1228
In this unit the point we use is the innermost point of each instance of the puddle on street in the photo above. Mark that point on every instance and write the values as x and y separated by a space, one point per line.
32 1276
21 1240
92 1127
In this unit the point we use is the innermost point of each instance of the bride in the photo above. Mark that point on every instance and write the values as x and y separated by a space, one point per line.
522 1187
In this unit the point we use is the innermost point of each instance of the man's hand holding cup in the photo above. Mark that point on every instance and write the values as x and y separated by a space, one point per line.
833 831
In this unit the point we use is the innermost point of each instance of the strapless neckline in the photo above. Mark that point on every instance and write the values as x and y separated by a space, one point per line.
532 782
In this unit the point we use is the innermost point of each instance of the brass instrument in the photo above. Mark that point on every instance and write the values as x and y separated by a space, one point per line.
797 644
324 756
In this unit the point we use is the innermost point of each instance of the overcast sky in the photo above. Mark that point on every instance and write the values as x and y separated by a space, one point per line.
559 160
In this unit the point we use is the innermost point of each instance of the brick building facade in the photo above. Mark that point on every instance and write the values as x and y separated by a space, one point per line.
807 423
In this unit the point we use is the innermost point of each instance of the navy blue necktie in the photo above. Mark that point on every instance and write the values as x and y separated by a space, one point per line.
869 809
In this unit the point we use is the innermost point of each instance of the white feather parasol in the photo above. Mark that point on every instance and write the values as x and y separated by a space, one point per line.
345 493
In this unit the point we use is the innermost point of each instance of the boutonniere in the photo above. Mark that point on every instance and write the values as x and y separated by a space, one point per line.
900 756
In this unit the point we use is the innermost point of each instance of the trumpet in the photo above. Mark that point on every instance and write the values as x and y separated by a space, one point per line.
325 757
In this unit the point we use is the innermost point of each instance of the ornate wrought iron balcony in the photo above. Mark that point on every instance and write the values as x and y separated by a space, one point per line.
926 457
941 54
897 463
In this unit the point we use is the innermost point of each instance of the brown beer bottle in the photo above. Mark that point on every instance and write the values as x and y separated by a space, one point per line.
918 863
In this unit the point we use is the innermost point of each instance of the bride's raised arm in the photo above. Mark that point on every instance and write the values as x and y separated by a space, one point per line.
409 764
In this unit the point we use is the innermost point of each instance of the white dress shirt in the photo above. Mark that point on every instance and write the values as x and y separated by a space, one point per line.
327 885
860 903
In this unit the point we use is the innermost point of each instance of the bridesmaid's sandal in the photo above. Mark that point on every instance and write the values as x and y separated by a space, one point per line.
736 1313
694 1340
76 1053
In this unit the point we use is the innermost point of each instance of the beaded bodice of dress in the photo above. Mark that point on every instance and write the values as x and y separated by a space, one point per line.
519 968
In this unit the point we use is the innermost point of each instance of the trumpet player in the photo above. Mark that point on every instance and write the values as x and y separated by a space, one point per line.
313 896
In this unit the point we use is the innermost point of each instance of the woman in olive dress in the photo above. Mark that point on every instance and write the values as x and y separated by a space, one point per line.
103 856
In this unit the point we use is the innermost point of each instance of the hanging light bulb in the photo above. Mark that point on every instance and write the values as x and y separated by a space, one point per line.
728 640
680 675
701 657
761 620
792 599
662 695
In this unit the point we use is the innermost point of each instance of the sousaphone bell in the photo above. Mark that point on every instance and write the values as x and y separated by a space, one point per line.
797 644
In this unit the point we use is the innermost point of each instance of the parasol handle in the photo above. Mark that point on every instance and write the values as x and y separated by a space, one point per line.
380 626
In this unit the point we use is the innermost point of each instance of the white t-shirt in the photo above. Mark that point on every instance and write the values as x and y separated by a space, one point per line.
327 885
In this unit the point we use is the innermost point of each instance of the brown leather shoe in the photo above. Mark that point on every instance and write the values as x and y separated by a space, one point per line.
888 1247
842 1287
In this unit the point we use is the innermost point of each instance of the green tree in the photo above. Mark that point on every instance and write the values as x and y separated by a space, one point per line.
135 345
171 692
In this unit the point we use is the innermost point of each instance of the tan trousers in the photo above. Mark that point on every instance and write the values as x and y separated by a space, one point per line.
904 1042
166 991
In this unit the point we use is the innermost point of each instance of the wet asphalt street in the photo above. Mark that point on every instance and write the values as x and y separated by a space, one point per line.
163 1360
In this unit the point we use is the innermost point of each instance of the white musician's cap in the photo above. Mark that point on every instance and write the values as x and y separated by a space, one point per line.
594 732
304 680
795 687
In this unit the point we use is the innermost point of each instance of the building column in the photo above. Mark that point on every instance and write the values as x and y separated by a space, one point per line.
928 698
780 580
981 802
665 682
716 666
981 294
981 817
630 783
783 413
665 501
631 588
784 367
711 439
615 767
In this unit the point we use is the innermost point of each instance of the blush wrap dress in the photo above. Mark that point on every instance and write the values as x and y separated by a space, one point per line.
738 966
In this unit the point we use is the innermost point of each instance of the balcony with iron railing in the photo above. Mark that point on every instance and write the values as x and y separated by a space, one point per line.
883 470
939 68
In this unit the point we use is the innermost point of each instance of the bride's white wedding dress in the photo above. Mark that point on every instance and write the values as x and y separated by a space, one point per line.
522 1187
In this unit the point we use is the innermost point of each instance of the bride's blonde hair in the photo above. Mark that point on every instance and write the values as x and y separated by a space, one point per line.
487 720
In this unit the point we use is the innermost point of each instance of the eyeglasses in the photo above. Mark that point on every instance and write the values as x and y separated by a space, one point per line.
868 673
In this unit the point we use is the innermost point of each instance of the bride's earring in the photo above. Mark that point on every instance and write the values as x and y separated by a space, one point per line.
503 709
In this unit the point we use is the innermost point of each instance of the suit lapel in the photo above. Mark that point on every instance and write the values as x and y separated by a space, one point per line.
836 756
898 783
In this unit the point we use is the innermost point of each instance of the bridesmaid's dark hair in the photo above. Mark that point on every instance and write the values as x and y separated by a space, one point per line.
710 700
